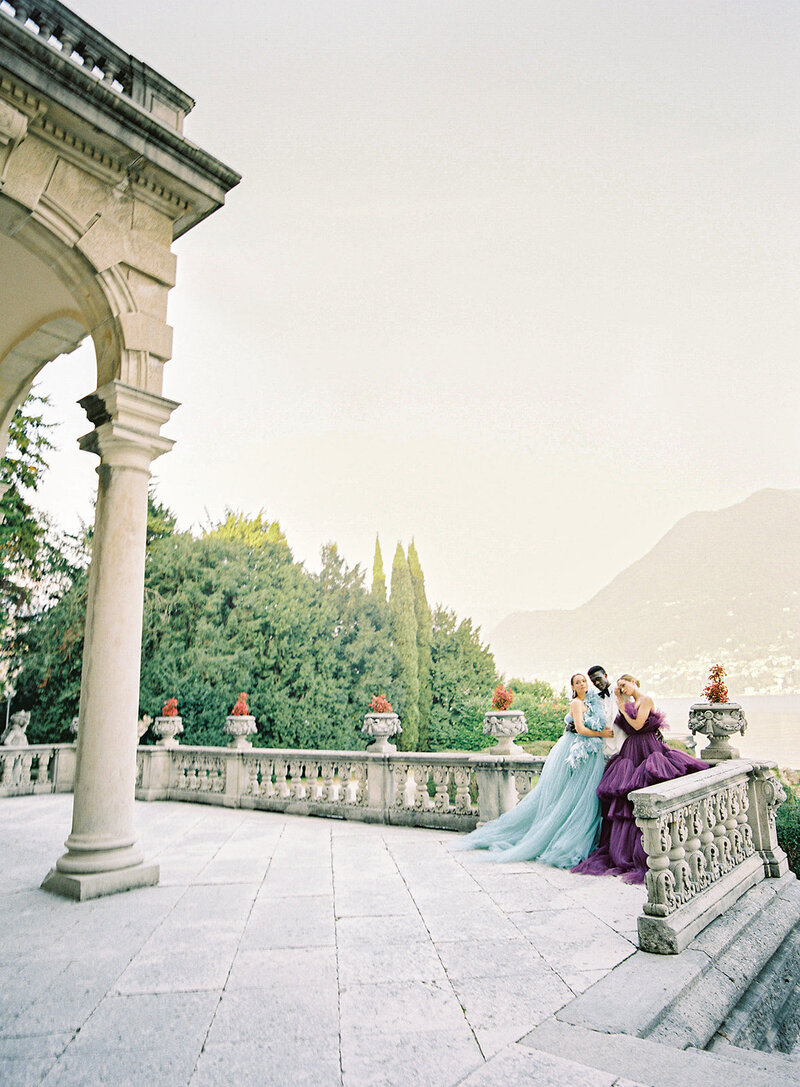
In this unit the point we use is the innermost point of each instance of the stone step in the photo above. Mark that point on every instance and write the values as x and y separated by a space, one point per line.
681 1000
766 1016
780 1063
756 947
644 1062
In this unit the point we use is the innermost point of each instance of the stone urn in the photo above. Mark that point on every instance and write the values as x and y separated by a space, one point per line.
167 729
719 721
380 726
504 725
239 726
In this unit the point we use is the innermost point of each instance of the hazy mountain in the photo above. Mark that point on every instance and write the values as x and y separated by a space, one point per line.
720 587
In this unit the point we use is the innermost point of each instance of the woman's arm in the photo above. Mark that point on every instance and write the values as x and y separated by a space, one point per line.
642 712
577 709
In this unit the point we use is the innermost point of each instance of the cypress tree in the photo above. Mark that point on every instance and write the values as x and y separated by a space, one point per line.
378 576
404 639
424 637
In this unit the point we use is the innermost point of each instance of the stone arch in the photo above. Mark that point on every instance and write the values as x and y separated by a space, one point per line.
55 298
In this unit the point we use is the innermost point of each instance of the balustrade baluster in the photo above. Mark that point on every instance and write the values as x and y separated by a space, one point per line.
281 786
330 789
357 784
441 781
400 775
463 776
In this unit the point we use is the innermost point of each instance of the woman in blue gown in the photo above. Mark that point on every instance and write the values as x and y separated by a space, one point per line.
558 821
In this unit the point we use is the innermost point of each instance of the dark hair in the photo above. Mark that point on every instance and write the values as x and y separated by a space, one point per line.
572 684
595 669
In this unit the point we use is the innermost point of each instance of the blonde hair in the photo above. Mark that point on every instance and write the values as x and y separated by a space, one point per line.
629 679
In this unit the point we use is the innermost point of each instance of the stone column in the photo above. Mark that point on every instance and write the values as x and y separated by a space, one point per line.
102 856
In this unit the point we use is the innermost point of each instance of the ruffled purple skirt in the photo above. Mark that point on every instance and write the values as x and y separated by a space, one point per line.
644 759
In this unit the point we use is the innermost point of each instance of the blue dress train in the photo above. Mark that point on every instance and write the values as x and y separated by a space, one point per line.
558 822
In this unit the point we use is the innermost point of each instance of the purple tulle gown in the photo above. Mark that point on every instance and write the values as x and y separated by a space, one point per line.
643 759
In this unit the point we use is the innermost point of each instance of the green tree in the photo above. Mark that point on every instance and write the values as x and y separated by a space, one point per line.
378 576
361 658
234 612
463 676
424 635
404 641
49 681
544 709
36 566
161 521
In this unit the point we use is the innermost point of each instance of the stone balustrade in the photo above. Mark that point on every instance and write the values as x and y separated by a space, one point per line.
37 768
709 837
75 41
426 790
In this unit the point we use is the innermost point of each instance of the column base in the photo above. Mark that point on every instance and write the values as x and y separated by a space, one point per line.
97 884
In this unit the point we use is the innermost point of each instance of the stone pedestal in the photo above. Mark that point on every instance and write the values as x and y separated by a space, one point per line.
239 727
380 726
102 856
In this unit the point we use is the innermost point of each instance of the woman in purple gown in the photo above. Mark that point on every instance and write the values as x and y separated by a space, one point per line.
643 759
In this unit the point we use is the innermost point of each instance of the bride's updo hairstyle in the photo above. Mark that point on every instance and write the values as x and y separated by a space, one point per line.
572 683
629 679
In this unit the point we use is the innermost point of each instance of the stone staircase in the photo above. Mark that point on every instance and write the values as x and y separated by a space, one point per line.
726 1010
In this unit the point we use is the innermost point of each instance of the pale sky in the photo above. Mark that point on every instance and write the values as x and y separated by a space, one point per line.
517 279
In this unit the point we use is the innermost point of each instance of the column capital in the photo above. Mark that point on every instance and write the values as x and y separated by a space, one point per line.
127 425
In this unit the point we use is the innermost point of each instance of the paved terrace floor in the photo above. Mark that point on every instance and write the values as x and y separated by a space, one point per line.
290 951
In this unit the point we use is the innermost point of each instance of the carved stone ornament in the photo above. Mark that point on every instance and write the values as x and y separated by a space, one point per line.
73 725
239 727
143 724
380 726
14 735
13 124
13 129
772 791
167 729
718 721
504 725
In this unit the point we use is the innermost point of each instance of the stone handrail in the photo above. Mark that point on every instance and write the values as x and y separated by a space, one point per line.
36 768
709 837
427 790
83 46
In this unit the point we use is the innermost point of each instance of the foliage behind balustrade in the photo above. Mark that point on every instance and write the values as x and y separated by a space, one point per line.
232 610
787 819
37 564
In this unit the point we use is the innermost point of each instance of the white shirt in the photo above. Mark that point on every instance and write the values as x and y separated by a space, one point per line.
611 744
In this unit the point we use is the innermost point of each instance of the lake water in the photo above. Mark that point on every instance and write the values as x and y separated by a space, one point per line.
773 726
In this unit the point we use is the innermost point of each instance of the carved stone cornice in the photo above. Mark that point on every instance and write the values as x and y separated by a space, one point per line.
103 124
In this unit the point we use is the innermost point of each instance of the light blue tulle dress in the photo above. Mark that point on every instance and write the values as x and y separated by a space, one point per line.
558 822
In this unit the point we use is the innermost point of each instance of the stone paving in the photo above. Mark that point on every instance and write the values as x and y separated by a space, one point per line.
291 951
